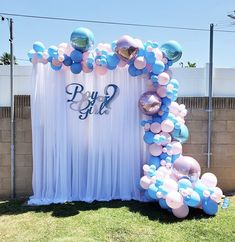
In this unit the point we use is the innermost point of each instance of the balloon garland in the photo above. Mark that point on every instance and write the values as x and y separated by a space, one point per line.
169 177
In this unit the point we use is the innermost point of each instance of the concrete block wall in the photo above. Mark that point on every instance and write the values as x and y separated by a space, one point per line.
223 142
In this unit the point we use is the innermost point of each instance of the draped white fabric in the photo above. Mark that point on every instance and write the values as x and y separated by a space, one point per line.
98 158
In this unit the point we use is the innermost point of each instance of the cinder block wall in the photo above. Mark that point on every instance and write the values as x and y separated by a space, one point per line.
223 142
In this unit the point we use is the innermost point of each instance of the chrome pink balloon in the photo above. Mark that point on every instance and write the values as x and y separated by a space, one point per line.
126 48
150 103
186 166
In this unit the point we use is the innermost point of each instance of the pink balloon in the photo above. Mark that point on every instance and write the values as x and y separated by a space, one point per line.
145 182
174 199
209 179
167 136
181 212
167 125
174 108
163 78
155 149
85 55
176 148
140 62
158 54
155 127
162 172
122 63
85 68
170 185
161 91
101 70
147 127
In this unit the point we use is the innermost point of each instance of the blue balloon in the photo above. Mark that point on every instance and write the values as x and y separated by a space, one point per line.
193 200
52 51
31 53
76 56
184 183
67 61
111 67
82 39
154 160
76 68
181 134
152 190
132 70
199 188
174 157
146 195
163 204
148 137
172 50
158 67
39 54
113 59
150 58
38 46
56 68
175 83
209 206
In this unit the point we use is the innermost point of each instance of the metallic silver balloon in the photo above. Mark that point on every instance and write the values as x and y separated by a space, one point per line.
150 103
126 48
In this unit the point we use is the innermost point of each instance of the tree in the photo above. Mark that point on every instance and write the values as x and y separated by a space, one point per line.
191 65
5 59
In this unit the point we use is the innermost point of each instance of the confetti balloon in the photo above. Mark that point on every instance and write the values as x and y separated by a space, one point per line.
150 103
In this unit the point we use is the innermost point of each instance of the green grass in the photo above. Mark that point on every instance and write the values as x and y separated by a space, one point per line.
111 221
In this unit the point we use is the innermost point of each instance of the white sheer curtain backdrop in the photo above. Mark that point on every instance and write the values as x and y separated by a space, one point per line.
99 158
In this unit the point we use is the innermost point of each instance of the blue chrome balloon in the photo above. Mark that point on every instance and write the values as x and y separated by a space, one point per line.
82 39
172 50
181 134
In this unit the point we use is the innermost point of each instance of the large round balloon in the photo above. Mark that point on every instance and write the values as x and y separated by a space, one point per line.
82 39
186 166
172 50
126 48
150 103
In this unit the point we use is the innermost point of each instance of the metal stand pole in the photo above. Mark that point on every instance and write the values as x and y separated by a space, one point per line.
210 98
12 113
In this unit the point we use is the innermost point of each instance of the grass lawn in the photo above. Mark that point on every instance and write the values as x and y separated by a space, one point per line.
111 221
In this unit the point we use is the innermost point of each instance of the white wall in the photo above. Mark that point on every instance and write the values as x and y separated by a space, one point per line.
193 82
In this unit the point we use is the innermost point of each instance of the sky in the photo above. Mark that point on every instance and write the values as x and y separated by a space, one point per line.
181 13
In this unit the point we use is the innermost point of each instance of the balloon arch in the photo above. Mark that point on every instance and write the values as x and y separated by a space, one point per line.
169 177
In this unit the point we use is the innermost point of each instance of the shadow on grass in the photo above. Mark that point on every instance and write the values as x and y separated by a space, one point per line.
151 210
